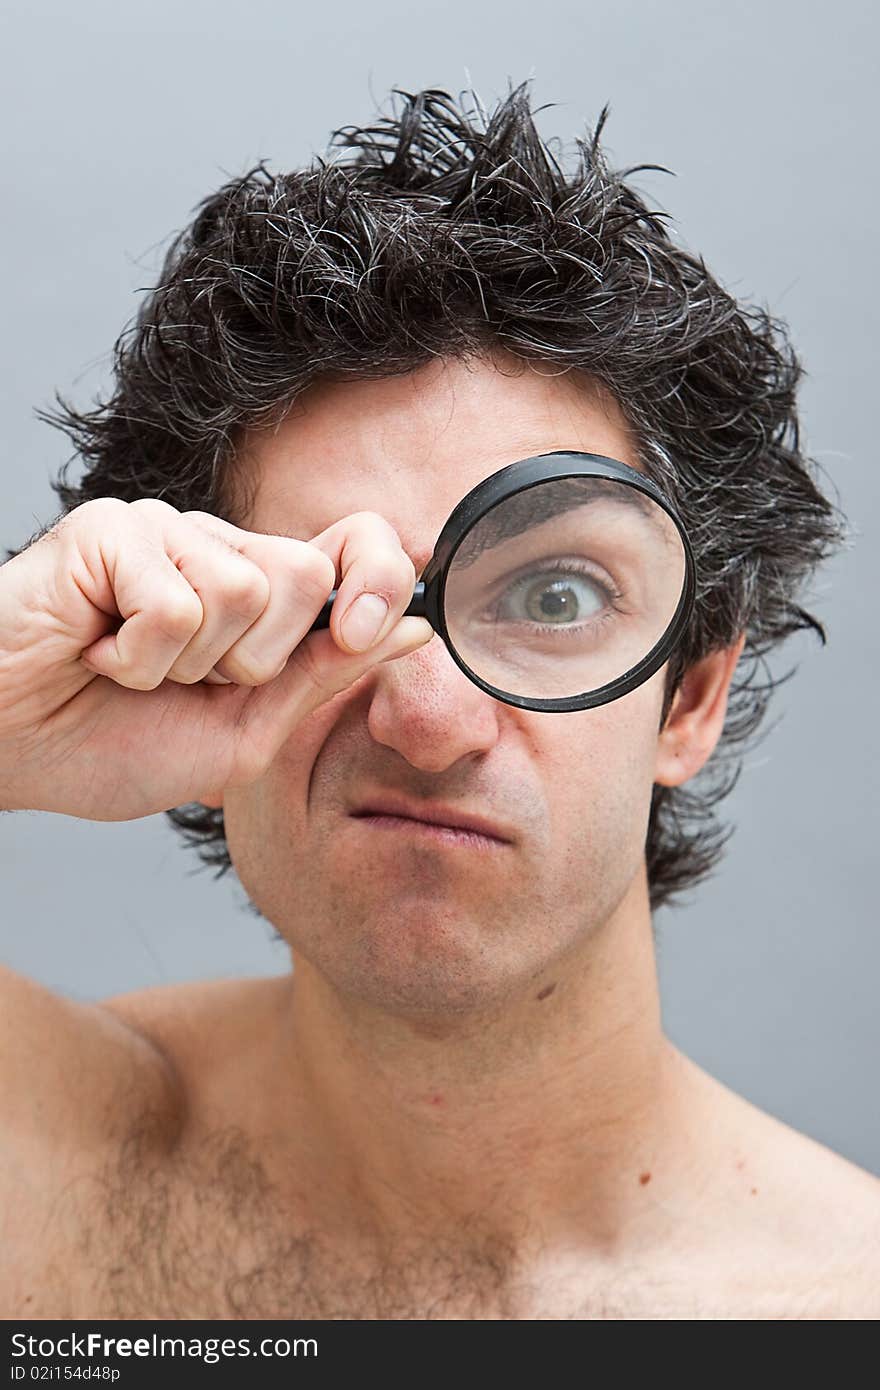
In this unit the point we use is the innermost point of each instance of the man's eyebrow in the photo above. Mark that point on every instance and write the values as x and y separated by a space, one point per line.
547 500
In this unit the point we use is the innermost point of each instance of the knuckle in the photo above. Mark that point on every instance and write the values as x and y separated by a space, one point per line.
153 519
97 510
394 579
149 682
315 571
179 617
381 530
138 679
374 520
246 589
389 568
152 506
248 668
181 675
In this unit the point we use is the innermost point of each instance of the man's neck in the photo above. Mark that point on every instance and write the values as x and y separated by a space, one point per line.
544 1118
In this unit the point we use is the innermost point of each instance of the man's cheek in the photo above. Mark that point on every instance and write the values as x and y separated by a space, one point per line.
600 746
609 770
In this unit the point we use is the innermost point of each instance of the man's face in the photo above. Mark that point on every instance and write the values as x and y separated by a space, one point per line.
393 918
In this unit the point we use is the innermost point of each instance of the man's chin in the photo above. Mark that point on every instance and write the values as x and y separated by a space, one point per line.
428 972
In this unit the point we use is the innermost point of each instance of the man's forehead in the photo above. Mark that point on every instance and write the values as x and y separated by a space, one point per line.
411 446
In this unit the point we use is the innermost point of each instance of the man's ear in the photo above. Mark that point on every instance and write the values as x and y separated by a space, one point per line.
694 723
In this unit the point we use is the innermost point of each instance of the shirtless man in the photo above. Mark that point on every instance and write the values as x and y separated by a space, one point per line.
461 1102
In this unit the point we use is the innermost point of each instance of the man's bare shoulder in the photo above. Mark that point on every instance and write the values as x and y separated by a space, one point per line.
199 1025
813 1214
72 1071
77 1081
214 1036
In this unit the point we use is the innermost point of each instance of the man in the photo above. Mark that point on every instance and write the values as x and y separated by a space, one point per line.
461 1102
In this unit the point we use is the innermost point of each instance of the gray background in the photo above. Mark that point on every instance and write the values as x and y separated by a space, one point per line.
117 119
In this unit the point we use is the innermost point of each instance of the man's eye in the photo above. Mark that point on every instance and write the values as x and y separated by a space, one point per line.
553 597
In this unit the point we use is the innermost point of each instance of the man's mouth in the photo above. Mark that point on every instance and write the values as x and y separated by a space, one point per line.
442 824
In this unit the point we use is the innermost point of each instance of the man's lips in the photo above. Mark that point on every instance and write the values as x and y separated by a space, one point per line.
430 813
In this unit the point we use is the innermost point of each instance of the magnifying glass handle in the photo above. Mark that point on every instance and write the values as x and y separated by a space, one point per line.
416 608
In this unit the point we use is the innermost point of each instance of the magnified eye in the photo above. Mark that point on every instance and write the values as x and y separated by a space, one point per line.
554 597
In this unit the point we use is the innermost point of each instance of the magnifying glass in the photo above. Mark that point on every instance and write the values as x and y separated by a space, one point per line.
559 583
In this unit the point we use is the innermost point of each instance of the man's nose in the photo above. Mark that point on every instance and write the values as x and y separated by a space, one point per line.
426 708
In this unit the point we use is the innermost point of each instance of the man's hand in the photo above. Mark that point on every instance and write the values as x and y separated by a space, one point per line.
117 625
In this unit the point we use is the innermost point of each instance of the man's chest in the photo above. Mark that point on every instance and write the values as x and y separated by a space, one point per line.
144 1237
178 1256
167 1250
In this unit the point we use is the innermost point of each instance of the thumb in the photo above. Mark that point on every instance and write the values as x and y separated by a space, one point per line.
317 671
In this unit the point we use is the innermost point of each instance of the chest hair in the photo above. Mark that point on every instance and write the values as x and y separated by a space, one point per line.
203 1233
200 1231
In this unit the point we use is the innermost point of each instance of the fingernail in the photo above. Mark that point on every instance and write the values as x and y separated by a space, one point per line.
363 621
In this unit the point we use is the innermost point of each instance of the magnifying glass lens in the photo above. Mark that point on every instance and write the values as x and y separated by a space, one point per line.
564 587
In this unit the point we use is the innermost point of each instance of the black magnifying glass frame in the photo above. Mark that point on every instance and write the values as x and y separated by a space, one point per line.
428 600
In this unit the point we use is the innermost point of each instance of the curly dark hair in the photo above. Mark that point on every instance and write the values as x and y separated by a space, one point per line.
447 232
